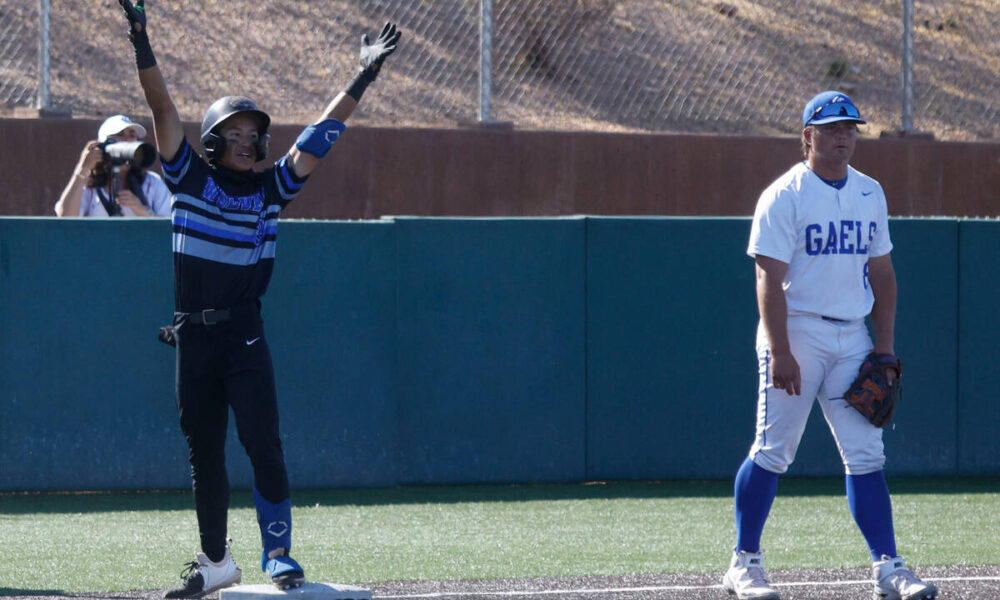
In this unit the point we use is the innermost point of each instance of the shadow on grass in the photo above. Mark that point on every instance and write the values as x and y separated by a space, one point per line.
112 501
6 591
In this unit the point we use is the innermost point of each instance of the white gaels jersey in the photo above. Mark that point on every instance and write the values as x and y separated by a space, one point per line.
825 235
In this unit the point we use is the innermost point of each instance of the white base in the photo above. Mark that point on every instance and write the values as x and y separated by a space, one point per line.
308 591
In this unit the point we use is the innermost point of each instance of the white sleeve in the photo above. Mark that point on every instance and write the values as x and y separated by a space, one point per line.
86 200
158 195
881 243
773 231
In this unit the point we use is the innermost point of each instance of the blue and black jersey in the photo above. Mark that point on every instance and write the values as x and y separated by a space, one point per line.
225 226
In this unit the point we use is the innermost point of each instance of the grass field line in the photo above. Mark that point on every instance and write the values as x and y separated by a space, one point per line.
650 588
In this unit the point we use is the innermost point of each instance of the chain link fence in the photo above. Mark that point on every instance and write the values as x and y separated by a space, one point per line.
20 24
735 67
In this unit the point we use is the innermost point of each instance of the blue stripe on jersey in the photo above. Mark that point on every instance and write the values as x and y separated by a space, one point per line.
194 217
174 170
195 247
219 233
289 185
196 206
223 249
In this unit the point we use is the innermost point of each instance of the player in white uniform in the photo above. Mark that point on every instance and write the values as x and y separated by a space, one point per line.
820 242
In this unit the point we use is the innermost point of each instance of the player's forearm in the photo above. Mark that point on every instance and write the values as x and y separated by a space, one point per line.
774 315
340 108
770 276
882 278
885 334
883 317
167 126
154 88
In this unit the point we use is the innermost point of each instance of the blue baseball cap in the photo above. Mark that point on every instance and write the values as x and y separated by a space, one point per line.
829 107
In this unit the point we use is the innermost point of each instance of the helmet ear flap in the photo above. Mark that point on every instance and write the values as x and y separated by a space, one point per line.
262 146
214 146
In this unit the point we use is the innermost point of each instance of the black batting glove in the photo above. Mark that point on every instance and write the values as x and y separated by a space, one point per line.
136 15
374 54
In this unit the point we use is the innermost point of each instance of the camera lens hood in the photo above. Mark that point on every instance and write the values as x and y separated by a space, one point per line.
137 154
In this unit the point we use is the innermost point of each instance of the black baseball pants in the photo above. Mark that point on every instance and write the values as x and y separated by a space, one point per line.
221 366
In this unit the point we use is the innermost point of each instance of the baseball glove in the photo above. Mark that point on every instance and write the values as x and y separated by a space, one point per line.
873 394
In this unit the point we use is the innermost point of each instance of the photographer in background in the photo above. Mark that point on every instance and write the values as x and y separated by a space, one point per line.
92 191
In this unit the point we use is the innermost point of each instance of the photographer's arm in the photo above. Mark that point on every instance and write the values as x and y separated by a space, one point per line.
166 121
69 201
313 144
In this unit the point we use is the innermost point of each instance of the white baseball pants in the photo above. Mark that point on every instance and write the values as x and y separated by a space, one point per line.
829 354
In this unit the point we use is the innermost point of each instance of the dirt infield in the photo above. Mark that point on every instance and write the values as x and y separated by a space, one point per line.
955 583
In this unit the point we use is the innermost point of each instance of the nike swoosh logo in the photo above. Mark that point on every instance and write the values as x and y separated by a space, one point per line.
253 341
866 193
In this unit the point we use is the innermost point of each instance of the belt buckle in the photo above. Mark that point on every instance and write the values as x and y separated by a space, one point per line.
204 316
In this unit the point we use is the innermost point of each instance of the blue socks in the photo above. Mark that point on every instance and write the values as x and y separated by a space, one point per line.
871 507
275 522
754 492
867 497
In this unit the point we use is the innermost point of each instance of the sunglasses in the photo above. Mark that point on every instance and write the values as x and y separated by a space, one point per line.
835 109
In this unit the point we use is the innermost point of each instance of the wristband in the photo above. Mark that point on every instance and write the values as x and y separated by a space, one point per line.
144 58
317 138
357 86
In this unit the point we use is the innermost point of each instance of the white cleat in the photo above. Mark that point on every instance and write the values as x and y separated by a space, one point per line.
202 576
893 581
747 579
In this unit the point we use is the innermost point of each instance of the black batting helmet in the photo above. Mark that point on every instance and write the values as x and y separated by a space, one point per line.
223 108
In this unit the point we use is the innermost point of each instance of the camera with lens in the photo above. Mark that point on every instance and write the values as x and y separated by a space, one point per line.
138 154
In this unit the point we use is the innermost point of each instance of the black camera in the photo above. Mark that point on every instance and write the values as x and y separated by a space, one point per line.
137 154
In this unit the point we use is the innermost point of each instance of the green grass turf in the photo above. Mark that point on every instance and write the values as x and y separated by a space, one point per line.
80 543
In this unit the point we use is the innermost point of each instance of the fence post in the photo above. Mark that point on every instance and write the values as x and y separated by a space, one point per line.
907 65
485 59
44 8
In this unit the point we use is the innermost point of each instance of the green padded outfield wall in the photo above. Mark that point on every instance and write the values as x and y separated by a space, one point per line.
330 318
440 350
978 395
671 316
491 350
88 392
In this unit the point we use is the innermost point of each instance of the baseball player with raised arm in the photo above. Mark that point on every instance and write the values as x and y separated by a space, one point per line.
821 247
225 217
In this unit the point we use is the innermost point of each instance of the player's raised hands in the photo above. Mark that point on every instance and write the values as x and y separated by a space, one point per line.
136 15
374 54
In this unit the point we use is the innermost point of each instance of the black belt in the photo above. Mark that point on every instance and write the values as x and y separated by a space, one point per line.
832 320
209 316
